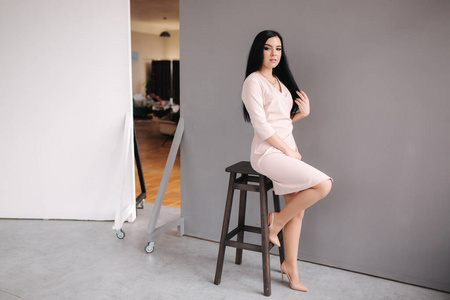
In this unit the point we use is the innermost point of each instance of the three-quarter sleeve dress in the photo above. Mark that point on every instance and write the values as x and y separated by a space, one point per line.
269 111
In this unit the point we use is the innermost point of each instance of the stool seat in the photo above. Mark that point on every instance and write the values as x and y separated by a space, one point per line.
242 167
249 180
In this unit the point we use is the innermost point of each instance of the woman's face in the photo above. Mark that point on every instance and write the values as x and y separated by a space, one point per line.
272 52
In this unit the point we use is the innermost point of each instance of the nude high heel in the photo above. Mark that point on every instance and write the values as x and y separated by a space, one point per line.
295 286
273 237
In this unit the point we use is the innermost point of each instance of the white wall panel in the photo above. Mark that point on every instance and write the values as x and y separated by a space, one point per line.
65 90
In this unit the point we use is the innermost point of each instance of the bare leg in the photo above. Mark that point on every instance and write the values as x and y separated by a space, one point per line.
292 231
299 201
291 217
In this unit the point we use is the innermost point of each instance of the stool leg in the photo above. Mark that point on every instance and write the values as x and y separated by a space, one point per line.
226 224
276 206
265 235
241 224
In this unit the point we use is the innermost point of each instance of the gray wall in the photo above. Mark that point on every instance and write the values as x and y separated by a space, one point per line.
377 74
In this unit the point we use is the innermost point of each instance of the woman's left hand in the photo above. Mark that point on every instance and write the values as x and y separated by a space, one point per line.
303 103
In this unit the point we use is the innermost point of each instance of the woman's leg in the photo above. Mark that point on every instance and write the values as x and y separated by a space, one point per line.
297 202
292 231
291 217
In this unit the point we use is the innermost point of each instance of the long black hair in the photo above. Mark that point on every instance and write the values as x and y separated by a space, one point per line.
282 71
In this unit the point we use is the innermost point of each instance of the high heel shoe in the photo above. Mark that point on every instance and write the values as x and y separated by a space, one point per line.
273 237
295 286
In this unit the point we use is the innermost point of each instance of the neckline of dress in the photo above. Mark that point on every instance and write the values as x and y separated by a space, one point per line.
279 82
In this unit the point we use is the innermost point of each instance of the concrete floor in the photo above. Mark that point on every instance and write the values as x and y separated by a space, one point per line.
42 259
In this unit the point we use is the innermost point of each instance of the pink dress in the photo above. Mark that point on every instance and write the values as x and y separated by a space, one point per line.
269 111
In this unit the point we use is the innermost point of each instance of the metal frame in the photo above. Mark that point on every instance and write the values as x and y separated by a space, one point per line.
141 197
152 231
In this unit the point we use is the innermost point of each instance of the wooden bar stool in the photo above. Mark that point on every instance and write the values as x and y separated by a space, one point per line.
249 180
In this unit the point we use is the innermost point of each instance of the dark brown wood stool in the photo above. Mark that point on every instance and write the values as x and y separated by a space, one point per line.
252 181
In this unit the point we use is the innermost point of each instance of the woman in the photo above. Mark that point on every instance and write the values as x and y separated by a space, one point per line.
268 92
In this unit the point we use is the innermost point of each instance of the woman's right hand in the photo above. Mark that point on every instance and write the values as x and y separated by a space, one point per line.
281 145
293 154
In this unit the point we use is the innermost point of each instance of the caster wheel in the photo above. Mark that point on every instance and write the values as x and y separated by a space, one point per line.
120 234
150 247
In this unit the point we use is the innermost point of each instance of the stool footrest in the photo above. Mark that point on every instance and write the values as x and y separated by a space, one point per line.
253 229
232 233
246 246
247 228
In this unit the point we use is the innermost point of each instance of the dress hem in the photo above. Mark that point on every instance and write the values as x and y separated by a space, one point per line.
293 190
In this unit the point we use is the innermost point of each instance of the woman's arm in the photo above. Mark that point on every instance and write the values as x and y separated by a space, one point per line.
253 100
281 145
303 105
